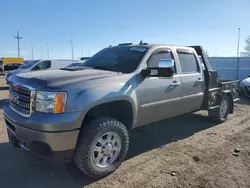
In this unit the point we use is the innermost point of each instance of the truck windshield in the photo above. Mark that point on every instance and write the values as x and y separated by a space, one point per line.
28 64
123 59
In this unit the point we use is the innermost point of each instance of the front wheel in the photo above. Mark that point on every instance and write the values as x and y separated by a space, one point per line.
103 145
220 114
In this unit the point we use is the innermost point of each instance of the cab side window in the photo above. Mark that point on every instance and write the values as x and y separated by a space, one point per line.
42 65
188 62
160 55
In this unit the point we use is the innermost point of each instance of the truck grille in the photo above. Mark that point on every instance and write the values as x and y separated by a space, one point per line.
20 99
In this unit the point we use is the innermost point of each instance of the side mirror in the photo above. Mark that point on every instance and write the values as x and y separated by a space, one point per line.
166 63
164 69
165 72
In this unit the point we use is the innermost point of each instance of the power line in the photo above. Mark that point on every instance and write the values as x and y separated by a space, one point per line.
18 46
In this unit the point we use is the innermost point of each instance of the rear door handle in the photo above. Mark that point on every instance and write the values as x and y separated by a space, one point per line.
175 83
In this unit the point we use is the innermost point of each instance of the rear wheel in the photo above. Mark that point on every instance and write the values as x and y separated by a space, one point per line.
220 114
103 145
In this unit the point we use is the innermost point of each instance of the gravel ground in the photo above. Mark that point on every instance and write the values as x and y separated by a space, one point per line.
187 151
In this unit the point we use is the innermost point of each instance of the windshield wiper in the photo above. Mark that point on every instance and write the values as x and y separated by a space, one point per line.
75 68
102 68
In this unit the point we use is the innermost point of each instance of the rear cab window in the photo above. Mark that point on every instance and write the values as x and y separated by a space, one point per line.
188 61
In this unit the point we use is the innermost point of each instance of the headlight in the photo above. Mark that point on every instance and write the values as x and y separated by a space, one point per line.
50 102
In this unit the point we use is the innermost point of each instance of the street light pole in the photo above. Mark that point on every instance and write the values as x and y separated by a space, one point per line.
48 50
72 46
18 46
42 53
31 52
238 58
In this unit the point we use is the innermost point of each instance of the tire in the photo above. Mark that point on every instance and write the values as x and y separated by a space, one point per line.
86 156
216 114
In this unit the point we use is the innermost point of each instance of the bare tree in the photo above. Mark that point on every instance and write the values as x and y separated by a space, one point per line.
247 47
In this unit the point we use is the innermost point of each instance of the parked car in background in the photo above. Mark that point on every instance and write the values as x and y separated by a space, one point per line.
8 64
41 65
244 87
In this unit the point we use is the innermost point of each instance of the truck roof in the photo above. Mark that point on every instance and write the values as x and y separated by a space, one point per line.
150 45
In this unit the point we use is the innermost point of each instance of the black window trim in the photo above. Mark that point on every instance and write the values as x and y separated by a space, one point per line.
186 51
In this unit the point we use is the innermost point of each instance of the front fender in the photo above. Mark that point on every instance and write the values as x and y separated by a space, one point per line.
85 100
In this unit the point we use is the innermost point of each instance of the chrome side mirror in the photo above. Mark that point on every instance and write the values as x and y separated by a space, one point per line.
166 63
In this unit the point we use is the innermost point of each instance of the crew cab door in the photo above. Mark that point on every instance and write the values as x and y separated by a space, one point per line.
193 85
159 97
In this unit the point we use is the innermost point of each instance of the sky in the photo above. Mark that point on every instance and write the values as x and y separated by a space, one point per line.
91 25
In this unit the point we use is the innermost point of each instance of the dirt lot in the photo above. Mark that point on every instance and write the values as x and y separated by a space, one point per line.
187 151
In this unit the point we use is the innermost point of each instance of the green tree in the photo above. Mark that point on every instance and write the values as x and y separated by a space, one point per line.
247 47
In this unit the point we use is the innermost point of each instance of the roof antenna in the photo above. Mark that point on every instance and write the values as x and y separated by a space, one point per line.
141 42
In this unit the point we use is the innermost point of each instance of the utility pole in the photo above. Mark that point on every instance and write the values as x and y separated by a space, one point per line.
238 58
18 38
31 52
72 47
48 50
72 50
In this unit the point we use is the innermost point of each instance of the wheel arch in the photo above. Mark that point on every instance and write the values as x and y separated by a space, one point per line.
230 100
121 109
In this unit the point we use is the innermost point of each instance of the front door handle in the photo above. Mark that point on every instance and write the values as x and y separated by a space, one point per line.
175 83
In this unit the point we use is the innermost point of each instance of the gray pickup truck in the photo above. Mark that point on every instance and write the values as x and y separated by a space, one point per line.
85 113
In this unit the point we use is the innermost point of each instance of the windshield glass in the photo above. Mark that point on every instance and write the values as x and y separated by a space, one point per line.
119 59
28 64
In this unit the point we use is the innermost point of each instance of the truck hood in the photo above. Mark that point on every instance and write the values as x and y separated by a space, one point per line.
58 78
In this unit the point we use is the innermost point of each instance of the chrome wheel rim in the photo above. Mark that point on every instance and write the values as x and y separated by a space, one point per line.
106 149
223 108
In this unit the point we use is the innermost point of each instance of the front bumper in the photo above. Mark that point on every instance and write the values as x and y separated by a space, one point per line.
58 145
